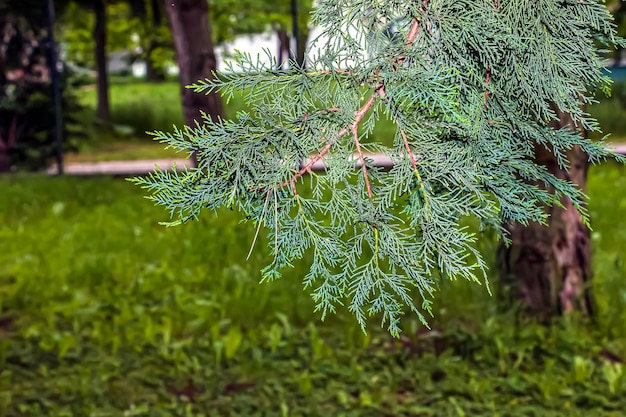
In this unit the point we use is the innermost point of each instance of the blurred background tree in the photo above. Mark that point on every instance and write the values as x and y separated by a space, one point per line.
195 54
547 270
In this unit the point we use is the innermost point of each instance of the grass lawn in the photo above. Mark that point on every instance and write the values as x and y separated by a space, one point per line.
105 313
122 150
138 107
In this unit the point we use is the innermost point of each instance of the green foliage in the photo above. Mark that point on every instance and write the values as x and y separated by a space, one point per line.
146 36
609 258
230 18
132 105
94 322
30 109
148 106
610 111
470 86
76 31
27 110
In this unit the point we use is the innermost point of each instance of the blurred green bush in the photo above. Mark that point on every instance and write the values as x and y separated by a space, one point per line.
611 112
27 108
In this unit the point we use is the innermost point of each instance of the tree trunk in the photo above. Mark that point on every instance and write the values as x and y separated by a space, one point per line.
548 269
8 140
100 35
303 39
154 74
5 161
191 31
284 52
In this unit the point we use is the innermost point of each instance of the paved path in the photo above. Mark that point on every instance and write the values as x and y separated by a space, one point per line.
130 168
120 168
620 148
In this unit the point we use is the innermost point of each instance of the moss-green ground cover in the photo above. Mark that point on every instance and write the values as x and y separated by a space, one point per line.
106 313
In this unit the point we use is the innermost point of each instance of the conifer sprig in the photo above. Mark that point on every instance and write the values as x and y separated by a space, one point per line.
470 86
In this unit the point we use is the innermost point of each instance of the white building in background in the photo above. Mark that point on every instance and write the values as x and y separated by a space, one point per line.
255 45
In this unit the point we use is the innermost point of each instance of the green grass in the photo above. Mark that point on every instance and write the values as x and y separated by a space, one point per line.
105 313
139 107
122 150
136 108
145 107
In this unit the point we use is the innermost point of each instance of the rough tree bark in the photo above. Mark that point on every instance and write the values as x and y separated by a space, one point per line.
191 31
5 161
103 111
284 52
548 269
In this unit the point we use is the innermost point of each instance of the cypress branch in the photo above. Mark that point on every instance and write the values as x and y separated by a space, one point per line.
470 86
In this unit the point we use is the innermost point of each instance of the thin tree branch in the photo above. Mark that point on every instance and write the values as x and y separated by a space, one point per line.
355 135
307 167
487 80
379 91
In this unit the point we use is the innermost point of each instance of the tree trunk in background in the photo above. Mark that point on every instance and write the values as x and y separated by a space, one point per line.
284 52
303 39
103 111
5 161
191 31
548 269
154 74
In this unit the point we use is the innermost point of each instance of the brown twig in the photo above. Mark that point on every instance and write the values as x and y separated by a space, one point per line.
415 27
307 167
487 80
355 136
359 115
410 38
379 91
408 148
326 72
